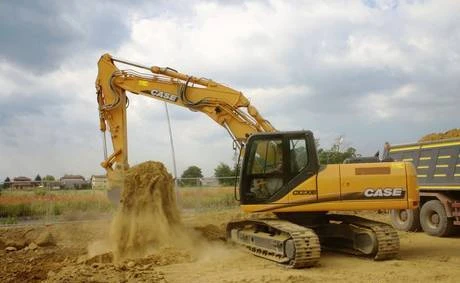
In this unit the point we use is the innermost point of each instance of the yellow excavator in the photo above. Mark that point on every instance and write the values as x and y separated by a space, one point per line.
280 171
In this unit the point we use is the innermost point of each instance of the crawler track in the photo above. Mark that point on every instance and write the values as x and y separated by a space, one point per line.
286 243
386 237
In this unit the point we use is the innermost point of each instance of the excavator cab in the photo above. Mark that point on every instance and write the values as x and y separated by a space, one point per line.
275 163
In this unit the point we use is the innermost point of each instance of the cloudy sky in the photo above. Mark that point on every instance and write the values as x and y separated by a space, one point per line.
372 71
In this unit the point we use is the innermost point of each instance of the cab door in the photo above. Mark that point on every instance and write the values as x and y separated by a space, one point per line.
303 184
276 164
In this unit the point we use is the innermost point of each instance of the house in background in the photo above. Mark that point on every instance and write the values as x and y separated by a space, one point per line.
73 182
52 185
21 182
98 182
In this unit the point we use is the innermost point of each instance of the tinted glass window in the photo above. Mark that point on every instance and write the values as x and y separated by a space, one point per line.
266 157
298 155
265 168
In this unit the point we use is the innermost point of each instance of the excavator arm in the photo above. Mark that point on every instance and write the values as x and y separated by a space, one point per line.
228 107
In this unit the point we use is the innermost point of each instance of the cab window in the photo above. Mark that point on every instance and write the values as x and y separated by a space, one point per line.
266 168
266 157
298 155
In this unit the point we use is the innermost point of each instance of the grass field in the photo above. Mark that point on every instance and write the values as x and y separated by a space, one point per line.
40 203
204 198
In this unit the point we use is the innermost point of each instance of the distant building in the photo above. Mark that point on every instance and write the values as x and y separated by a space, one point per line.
52 185
73 182
98 182
21 183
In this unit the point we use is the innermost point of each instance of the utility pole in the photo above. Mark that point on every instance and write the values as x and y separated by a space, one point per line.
339 142
172 152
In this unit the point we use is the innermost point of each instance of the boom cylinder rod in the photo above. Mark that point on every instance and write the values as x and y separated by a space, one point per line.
104 144
130 63
168 72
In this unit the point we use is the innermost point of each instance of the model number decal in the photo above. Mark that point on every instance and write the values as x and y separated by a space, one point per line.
384 192
304 192
164 95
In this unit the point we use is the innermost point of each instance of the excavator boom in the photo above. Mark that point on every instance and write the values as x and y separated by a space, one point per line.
228 107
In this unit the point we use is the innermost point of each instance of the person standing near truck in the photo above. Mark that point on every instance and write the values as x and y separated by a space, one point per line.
386 151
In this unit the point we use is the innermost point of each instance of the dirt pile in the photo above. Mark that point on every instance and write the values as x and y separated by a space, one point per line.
148 217
211 232
165 256
453 133
123 272
101 268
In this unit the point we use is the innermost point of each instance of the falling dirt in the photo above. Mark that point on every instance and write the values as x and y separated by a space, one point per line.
148 217
453 133
147 229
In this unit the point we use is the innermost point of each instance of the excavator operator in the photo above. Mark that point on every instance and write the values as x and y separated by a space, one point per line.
266 188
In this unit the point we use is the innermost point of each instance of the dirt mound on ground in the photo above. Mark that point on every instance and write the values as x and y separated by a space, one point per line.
453 133
165 256
127 270
211 232
123 272
148 217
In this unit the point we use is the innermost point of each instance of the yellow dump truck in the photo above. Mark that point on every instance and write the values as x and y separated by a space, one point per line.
438 173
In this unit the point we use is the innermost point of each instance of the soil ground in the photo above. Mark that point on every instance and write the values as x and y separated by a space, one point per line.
62 258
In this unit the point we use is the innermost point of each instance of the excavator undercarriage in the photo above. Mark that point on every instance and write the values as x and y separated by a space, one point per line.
297 242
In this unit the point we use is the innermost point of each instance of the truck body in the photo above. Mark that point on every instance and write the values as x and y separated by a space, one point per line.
438 173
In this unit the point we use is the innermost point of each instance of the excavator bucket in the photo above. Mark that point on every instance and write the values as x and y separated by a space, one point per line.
115 180
114 195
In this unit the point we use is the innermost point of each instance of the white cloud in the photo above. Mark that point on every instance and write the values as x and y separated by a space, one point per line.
385 105
370 52
408 103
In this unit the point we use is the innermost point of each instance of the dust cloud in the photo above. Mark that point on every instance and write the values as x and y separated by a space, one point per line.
147 217
148 224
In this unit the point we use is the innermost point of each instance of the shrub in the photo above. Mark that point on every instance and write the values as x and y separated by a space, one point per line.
40 192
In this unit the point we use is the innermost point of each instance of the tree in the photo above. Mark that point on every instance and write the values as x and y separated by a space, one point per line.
6 183
191 172
38 178
334 156
49 178
223 170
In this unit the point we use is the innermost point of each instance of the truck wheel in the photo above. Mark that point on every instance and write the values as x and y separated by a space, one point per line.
406 219
433 219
